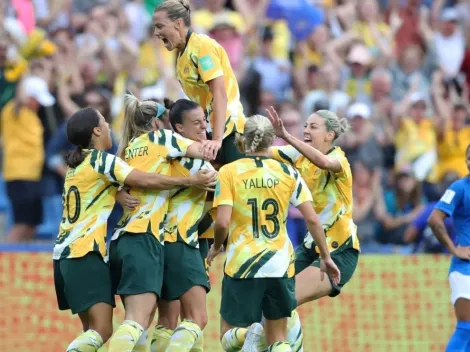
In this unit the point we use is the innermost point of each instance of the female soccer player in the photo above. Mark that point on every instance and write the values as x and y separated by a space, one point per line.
82 279
204 71
184 277
456 203
252 199
327 173
136 252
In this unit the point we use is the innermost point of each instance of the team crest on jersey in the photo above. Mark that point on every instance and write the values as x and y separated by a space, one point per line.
186 70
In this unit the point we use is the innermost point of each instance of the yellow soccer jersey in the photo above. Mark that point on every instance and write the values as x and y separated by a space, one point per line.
151 152
259 189
332 196
88 198
186 204
202 60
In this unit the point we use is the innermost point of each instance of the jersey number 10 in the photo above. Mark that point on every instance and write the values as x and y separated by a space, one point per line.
273 217
76 214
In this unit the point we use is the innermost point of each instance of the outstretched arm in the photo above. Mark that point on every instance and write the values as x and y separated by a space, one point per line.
315 156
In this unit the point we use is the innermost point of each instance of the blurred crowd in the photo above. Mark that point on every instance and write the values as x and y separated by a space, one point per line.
398 69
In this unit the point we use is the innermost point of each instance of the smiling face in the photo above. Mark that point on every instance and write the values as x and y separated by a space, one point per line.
316 133
194 125
168 31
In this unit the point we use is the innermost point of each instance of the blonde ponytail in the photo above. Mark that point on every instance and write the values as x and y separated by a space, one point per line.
258 135
333 122
138 116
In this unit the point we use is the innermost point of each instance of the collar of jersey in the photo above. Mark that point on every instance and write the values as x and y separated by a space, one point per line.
188 36
257 157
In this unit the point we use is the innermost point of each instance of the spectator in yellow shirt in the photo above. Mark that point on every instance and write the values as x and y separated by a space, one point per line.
453 135
23 156
203 19
415 139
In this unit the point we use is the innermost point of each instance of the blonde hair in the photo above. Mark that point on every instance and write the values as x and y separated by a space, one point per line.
333 122
177 9
258 135
138 116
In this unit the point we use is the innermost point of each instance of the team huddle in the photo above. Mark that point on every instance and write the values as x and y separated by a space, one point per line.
180 213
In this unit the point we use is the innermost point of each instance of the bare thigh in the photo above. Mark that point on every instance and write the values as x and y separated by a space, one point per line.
193 303
309 285
141 308
462 309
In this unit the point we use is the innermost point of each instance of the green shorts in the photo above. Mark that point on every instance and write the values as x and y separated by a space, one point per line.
183 270
246 301
136 262
229 152
80 283
345 259
204 246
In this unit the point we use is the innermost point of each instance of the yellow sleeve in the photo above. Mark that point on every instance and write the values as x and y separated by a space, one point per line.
286 154
110 167
301 193
223 189
339 155
209 62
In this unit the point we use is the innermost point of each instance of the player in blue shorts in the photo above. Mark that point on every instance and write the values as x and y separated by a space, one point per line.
456 203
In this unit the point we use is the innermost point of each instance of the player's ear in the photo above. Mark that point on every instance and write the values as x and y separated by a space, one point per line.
97 131
179 128
178 23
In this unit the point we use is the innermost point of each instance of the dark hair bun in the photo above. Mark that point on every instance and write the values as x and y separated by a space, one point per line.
168 103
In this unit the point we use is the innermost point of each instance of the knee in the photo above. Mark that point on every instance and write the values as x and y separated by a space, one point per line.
199 316
169 322
202 319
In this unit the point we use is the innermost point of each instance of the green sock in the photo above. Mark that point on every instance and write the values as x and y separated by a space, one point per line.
199 345
184 337
234 339
141 345
126 337
280 346
160 339
88 341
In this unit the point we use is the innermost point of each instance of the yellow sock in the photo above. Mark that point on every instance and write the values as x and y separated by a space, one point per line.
199 345
295 336
280 346
126 337
141 345
160 339
184 337
234 339
88 341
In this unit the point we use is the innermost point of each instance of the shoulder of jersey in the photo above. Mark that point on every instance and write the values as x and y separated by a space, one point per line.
205 39
286 167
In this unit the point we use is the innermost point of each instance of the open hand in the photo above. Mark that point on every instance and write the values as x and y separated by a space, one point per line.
126 200
213 253
463 253
205 179
278 125
329 267
210 149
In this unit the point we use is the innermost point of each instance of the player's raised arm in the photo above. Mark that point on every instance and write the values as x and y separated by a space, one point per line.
316 154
